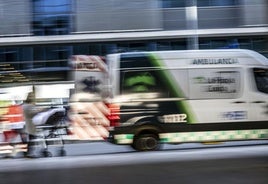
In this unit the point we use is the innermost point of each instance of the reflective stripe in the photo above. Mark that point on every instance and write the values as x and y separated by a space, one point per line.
124 138
214 136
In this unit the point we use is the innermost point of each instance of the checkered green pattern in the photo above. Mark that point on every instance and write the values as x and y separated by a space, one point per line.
124 138
201 136
214 136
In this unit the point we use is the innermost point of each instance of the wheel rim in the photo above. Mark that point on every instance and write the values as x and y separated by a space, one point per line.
147 143
150 143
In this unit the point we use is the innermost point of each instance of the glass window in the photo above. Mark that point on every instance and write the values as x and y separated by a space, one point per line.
163 45
204 44
173 3
260 44
261 79
51 17
245 43
178 45
217 44
137 76
203 2
139 46
33 64
217 2
122 47
81 49
139 82
108 48
95 49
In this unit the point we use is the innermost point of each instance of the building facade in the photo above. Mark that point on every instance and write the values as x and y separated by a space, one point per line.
48 32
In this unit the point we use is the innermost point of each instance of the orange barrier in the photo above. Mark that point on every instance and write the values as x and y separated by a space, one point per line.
10 123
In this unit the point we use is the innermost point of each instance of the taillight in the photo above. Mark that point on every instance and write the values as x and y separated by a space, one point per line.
69 131
114 116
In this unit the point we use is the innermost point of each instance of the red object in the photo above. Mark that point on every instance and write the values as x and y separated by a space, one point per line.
15 113
10 134
114 116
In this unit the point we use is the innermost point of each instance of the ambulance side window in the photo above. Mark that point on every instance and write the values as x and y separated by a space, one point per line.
138 82
142 81
261 79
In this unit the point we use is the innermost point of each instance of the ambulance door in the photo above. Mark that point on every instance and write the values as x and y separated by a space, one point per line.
259 96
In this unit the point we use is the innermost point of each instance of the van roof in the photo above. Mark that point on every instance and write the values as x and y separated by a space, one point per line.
213 53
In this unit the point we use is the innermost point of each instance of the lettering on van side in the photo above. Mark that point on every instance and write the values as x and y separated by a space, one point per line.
234 115
217 84
221 89
173 118
214 80
213 61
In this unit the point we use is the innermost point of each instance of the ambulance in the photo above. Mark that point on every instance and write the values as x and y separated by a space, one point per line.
187 96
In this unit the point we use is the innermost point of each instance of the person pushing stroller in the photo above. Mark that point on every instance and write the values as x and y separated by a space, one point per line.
29 111
37 116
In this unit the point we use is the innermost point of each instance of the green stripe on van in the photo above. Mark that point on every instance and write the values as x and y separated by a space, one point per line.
174 88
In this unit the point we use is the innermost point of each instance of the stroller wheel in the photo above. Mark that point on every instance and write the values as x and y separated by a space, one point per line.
62 152
46 153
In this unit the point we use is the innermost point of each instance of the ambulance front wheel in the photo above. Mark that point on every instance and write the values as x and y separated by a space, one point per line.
146 142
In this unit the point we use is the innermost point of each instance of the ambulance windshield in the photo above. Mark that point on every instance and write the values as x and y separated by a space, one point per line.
261 78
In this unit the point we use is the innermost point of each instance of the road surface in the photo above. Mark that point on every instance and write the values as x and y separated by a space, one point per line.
243 162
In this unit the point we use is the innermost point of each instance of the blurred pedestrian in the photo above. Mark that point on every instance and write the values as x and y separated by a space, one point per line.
29 111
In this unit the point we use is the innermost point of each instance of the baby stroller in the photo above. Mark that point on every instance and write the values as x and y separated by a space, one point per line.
51 129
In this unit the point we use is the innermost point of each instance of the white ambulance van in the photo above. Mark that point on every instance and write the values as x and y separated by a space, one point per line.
188 96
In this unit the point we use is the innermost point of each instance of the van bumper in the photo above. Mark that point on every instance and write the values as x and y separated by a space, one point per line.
120 136
110 138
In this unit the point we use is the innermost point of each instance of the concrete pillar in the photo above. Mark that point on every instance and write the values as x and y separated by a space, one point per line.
192 24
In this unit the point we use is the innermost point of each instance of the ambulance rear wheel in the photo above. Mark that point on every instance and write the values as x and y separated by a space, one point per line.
146 142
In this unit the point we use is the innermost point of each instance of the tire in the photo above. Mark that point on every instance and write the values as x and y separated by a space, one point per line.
146 142
46 153
62 153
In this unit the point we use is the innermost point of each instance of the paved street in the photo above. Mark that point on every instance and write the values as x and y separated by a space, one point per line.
98 162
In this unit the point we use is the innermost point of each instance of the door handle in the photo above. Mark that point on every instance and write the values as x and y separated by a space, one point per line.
239 102
258 102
